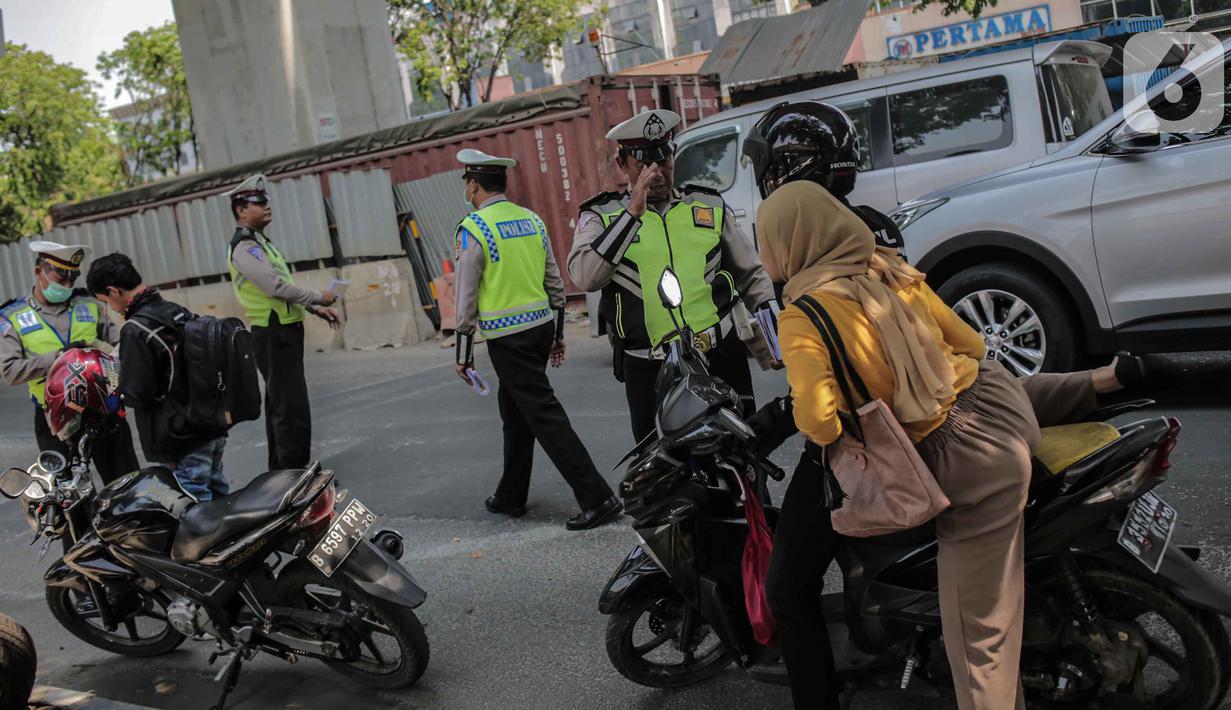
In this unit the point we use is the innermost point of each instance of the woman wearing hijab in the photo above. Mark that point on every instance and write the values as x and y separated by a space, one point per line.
972 421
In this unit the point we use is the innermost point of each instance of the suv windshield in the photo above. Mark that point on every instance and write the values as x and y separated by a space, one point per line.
1077 98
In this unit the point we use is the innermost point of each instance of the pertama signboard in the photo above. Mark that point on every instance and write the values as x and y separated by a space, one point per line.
989 29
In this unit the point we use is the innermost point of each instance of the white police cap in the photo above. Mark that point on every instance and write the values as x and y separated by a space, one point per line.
479 162
252 187
646 129
67 257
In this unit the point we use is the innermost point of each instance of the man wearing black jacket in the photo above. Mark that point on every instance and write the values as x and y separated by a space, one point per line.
151 379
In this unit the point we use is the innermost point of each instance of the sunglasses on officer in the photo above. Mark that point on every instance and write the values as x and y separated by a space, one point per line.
64 277
660 153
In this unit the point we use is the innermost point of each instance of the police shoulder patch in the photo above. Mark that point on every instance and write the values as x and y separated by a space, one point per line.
257 253
703 216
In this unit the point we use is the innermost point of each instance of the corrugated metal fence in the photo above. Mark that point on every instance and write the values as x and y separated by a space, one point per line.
437 205
363 207
190 240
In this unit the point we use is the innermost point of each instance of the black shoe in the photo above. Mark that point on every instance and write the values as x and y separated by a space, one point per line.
494 505
1131 370
595 516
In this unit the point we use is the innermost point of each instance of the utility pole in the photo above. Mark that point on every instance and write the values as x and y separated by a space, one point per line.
2 46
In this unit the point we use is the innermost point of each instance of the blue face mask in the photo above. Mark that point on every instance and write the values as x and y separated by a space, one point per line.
55 293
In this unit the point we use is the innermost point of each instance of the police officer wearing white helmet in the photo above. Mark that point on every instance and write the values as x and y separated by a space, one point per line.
510 290
275 308
624 240
37 328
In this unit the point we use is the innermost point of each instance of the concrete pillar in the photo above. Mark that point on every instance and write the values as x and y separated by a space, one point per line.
270 76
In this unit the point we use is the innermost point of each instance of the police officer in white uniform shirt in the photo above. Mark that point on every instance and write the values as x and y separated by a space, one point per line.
510 290
622 243
37 328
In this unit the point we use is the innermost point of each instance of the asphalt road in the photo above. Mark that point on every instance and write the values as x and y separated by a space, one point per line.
511 612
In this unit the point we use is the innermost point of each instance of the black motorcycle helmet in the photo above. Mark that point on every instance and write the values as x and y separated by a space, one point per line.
804 140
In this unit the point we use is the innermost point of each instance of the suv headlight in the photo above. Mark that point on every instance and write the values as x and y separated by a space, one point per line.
908 212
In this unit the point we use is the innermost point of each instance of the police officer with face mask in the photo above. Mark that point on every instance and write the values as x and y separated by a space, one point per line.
36 329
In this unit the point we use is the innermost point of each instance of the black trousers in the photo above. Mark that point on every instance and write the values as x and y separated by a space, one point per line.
530 412
804 545
112 453
728 361
288 413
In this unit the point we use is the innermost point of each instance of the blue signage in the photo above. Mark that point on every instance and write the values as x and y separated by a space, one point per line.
958 36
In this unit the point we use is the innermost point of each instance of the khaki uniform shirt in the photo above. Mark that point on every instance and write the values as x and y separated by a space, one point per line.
472 260
592 272
18 366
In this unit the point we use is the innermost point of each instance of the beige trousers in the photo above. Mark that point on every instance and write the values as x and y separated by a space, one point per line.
981 458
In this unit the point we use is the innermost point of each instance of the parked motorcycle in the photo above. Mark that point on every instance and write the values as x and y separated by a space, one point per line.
18 661
283 566
1116 613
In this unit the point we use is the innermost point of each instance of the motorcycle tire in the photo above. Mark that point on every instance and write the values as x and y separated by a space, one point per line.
18 662
402 625
1201 641
621 649
65 609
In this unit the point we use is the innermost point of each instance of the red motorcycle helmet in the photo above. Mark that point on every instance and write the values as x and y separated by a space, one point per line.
82 389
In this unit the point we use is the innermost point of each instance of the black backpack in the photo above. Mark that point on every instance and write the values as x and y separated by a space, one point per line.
219 363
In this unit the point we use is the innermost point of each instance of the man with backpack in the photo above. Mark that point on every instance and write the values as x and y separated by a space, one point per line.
155 378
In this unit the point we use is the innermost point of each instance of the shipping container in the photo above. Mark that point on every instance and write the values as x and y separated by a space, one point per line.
557 135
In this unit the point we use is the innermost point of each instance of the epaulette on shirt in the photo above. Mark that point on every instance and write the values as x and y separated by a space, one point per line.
241 234
601 198
11 305
693 187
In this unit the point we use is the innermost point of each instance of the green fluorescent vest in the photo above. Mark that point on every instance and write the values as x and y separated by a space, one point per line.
258 306
682 239
39 338
511 295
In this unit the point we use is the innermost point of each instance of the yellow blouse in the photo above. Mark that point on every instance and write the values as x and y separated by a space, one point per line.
808 370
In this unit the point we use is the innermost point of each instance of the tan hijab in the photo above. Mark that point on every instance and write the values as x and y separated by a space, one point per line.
813 242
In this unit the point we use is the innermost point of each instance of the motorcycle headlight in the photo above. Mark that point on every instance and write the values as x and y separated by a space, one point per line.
908 212
701 439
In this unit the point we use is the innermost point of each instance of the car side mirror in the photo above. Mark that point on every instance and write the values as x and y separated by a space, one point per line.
14 482
669 290
1139 134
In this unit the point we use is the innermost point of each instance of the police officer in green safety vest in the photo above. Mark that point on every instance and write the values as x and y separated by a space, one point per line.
624 240
34 330
275 308
509 288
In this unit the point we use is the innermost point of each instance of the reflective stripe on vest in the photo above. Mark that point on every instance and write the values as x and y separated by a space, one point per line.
679 239
512 296
257 305
39 338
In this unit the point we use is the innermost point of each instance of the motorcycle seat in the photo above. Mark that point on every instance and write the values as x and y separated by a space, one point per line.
1062 446
206 525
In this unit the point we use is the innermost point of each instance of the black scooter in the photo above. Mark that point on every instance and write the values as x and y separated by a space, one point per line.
1116 614
283 566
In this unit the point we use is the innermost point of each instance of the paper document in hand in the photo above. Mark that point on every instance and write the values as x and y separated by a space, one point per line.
769 331
477 382
339 287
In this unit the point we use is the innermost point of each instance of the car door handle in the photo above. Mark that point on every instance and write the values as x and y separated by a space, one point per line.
739 213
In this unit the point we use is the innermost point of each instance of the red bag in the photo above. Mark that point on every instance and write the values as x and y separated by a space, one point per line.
755 566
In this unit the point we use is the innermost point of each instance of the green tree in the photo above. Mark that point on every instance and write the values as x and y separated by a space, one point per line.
974 8
457 47
54 140
149 70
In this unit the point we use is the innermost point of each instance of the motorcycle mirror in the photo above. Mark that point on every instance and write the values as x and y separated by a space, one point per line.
669 289
14 482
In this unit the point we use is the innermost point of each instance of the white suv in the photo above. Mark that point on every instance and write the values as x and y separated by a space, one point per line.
1122 239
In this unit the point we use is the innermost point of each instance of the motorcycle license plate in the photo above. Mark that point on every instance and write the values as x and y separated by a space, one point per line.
1147 530
344 534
